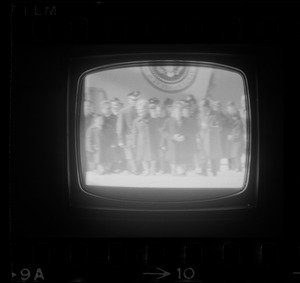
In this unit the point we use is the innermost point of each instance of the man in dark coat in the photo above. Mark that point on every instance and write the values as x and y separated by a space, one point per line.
142 139
93 142
235 137
167 106
109 136
124 129
224 128
88 113
119 156
155 125
191 133
211 138
244 118
175 131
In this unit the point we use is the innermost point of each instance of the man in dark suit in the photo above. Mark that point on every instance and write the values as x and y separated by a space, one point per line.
88 112
124 129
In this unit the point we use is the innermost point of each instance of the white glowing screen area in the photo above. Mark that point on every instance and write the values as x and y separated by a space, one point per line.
164 126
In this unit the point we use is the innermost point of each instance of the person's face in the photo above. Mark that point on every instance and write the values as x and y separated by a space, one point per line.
106 110
193 108
132 101
142 111
88 108
169 109
202 105
115 107
152 111
217 107
231 109
186 112
160 112
206 110
176 113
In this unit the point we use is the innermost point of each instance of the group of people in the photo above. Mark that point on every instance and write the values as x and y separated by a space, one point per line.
151 137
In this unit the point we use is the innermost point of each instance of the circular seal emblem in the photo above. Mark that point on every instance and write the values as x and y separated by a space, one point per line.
170 78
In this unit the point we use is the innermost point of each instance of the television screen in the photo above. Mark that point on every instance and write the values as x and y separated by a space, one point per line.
176 124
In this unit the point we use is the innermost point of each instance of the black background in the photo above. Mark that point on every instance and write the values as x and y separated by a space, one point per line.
38 205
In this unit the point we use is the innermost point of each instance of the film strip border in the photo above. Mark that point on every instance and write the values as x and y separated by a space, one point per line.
137 260
105 22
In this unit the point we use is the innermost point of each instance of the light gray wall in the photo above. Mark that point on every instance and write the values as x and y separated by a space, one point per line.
218 84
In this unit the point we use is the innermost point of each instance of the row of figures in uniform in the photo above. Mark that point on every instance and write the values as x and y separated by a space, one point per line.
175 137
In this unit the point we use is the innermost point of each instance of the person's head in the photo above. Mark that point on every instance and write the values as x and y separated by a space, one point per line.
160 111
152 111
191 99
88 108
168 105
98 121
204 106
186 112
177 110
115 106
106 108
142 107
133 97
217 106
231 108
153 102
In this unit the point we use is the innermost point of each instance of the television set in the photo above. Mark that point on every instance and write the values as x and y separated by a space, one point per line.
196 195
198 173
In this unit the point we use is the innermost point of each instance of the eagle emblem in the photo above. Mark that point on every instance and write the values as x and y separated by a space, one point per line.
169 71
170 78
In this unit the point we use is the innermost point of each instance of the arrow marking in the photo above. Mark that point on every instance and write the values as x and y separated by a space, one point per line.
163 273
13 275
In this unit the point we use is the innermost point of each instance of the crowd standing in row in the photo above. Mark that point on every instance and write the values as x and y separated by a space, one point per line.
174 137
